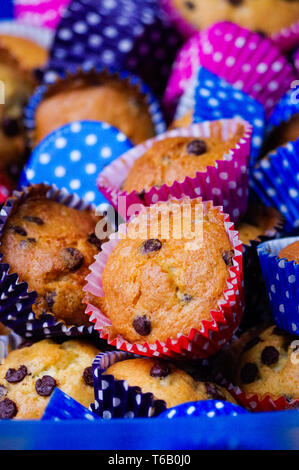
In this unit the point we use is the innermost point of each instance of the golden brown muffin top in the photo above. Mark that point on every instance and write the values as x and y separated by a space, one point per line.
269 365
174 158
290 252
29 54
51 246
167 283
259 221
29 376
99 97
166 382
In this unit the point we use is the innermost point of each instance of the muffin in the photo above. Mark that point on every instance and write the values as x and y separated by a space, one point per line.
168 278
174 158
50 246
290 252
17 85
28 53
166 382
263 16
29 375
287 132
268 365
97 96
259 222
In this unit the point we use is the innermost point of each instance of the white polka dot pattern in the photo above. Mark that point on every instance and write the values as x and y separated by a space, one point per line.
62 407
204 409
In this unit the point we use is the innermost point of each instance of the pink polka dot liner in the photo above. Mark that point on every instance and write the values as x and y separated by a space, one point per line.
226 183
212 336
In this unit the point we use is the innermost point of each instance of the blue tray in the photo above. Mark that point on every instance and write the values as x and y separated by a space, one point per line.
275 431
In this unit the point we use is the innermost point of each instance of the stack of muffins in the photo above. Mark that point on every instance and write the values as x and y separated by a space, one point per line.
193 295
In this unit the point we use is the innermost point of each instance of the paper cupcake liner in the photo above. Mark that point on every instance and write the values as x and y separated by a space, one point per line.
130 81
184 27
287 107
201 343
287 38
248 61
225 184
204 409
256 301
42 12
296 62
131 35
269 179
116 398
16 299
5 188
282 282
211 98
63 407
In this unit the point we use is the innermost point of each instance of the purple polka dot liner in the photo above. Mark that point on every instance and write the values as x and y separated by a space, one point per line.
92 77
269 178
116 398
199 343
285 39
16 300
282 282
226 183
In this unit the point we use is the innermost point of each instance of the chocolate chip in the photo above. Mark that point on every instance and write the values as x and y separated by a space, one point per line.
160 370
141 195
72 258
25 243
10 127
249 373
260 32
235 3
14 376
45 386
8 409
228 257
50 298
87 376
189 5
17 229
214 392
151 245
33 219
186 298
278 332
142 325
197 147
3 391
251 343
94 240
270 356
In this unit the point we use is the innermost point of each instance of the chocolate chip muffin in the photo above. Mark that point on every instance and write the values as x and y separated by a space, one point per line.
50 246
28 53
17 88
259 221
265 16
268 365
166 382
95 96
174 158
168 280
286 132
290 252
29 375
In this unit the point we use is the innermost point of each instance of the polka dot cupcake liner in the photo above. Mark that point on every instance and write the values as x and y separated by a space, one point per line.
225 184
296 61
16 300
90 76
287 107
131 35
46 13
62 407
116 398
269 179
282 282
248 61
5 187
203 409
210 98
212 336
72 156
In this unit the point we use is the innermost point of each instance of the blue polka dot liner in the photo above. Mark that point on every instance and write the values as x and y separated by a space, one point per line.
16 300
116 398
93 77
203 409
275 180
72 156
133 35
282 283
62 407
286 108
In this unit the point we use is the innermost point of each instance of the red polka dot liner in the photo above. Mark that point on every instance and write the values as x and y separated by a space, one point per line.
214 333
115 398
226 183
16 299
